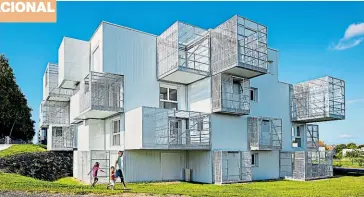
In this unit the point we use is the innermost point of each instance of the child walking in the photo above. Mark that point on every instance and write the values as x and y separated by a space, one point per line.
112 178
94 171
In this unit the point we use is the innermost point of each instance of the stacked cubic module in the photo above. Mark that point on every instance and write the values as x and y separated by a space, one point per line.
318 100
238 53
183 54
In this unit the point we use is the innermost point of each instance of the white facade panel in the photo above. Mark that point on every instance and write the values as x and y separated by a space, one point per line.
73 61
74 107
96 134
133 129
146 165
132 54
267 166
229 132
96 43
83 137
273 99
200 162
199 96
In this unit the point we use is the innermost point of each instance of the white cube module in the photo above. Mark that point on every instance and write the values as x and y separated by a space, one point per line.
73 62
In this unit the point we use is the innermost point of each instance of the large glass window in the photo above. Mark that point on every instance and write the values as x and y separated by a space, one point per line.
168 98
116 132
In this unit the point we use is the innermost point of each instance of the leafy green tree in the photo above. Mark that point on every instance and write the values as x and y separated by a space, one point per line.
340 147
351 145
15 114
361 146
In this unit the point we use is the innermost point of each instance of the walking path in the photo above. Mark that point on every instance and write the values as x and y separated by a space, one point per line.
4 146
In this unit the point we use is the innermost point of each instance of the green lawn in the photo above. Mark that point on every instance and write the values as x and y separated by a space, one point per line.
346 162
343 186
21 148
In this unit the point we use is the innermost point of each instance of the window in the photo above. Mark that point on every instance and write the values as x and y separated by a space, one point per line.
297 136
96 66
116 132
168 98
255 160
57 131
254 94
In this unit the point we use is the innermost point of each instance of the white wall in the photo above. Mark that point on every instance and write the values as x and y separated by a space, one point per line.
146 165
74 106
132 54
199 96
83 137
133 129
201 164
97 41
49 137
73 59
96 134
273 99
268 165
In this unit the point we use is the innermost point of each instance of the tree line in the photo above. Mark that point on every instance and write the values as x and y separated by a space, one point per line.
15 114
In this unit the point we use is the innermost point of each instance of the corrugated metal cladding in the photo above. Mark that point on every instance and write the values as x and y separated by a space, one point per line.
132 54
166 165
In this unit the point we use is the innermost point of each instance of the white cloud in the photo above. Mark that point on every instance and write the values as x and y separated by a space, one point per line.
354 35
345 136
355 101
354 30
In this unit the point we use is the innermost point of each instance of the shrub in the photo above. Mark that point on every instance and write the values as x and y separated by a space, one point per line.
48 166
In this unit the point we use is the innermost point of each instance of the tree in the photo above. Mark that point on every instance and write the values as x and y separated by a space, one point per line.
340 147
15 114
321 144
351 145
361 146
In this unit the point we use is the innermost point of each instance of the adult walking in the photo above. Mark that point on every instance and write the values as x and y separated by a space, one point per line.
119 173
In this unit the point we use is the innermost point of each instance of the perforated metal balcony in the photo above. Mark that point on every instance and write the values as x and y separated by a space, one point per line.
230 95
54 113
265 133
101 95
239 47
318 100
168 129
51 91
183 54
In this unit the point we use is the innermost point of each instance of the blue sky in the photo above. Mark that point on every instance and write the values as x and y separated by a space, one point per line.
313 39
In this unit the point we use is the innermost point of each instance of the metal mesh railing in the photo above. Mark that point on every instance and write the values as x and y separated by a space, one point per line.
318 100
230 94
177 129
102 91
231 166
55 112
306 165
239 42
185 47
265 133
62 138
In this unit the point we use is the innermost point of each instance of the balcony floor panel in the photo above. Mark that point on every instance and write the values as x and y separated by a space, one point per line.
243 72
96 114
183 77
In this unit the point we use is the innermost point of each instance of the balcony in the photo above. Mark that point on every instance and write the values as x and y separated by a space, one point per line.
51 91
157 128
306 165
54 113
318 100
183 54
265 133
62 138
101 95
239 47
230 95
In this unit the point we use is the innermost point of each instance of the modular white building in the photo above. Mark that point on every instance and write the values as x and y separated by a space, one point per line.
189 104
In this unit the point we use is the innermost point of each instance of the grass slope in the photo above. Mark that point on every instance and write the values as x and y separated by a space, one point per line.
21 148
343 186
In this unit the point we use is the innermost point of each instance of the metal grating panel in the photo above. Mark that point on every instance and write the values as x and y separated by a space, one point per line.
230 94
63 138
263 140
318 100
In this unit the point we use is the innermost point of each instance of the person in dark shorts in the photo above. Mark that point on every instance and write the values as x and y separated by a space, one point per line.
119 173
94 171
